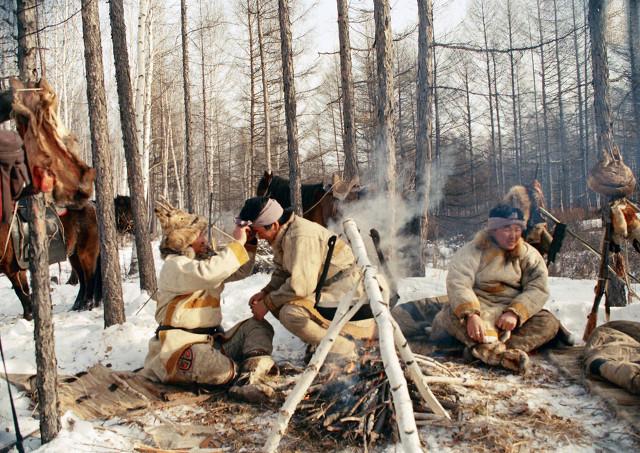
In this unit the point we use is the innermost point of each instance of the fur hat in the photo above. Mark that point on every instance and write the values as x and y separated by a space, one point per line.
179 228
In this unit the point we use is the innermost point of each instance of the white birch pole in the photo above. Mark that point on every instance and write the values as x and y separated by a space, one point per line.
415 373
402 404
143 10
146 123
342 316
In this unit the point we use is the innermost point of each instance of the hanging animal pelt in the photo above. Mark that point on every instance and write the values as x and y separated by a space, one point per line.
611 177
625 222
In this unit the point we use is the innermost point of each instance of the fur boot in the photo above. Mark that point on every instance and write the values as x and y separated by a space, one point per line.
250 385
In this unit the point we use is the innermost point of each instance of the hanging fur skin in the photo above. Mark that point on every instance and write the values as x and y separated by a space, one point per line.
625 222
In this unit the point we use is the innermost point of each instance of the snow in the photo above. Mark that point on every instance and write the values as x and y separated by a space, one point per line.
81 341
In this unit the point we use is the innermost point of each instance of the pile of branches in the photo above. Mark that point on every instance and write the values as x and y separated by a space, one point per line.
354 407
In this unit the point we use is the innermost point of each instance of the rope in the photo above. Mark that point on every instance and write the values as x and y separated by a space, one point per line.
6 243
318 202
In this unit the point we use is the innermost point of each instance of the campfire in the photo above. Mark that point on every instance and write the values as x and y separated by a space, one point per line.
355 406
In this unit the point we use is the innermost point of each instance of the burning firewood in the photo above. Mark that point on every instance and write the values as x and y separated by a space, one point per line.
356 408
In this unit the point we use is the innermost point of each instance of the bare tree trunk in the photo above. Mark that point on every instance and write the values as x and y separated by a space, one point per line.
252 108
600 68
385 127
565 198
583 152
501 179
423 132
493 162
472 166
587 115
143 10
633 36
547 156
288 81
46 362
346 77
516 150
539 156
102 162
188 156
205 119
127 121
266 106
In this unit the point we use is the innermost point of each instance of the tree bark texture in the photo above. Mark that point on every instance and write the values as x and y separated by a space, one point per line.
564 153
186 83
385 126
266 106
547 184
290 105
250 153
633 34
46 362
583 154
600 69
102 162
134 172
423 127
346 79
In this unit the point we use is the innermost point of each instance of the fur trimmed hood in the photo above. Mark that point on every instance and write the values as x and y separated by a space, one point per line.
483 241
179 229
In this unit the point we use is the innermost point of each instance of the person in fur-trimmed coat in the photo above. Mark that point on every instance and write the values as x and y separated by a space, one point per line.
299 252
190 345
496 288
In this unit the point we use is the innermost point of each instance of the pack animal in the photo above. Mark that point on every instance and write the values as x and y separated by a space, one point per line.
319 201
53 167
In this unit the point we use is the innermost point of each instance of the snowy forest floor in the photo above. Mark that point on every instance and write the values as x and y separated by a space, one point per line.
543 411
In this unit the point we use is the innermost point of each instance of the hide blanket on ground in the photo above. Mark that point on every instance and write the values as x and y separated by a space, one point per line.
102 393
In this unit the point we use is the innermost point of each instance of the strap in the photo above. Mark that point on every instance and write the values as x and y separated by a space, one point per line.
195 330
19 446
325 267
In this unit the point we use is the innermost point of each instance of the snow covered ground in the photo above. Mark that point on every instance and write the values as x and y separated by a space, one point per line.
82 342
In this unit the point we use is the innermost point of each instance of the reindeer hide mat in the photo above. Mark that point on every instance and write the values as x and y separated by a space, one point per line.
102 393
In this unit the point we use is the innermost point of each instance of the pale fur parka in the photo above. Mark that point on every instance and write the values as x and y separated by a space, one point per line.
189 296
299 252
487 280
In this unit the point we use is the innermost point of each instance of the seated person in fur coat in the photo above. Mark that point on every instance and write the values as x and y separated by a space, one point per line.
496 288
190 345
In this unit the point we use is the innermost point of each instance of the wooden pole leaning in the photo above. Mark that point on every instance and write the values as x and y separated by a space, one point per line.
402 404
415 373
344 313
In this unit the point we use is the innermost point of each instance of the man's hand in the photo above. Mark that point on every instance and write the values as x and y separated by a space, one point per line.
475 328
259 309
507 321
240 234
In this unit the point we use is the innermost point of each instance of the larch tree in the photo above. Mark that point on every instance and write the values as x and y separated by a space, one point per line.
266 103
633 37
288 81
423 126
190 186
130 142
102 162
384 147
346 78
46 362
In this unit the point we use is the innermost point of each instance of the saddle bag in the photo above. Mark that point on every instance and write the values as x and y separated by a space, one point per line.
55 236
14 172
